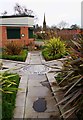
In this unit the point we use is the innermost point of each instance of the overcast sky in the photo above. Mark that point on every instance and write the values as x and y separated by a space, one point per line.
55 10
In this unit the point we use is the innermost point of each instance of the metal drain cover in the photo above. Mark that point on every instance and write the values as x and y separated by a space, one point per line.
40 105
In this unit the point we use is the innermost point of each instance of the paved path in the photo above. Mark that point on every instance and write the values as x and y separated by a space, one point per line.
34 100
38 102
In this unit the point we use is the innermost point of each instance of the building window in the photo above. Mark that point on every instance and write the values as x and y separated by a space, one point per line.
13 33
30 32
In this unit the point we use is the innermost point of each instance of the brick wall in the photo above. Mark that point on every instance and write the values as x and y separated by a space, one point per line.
22 41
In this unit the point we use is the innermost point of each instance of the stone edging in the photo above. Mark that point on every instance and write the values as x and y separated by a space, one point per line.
19 110
21 97
42 59
28 58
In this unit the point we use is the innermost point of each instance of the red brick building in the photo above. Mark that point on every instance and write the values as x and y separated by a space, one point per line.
18 29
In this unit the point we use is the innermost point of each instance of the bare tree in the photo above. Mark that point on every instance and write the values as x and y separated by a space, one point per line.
22 10
4 13
75 26
54 27
62 24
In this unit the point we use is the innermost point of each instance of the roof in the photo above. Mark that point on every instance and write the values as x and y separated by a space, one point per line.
20 20
14 16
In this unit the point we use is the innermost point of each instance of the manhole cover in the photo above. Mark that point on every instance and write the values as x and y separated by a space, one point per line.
40 105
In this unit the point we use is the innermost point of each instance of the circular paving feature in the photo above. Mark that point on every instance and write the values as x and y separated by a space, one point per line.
38 69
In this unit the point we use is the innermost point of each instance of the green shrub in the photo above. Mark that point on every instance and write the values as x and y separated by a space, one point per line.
21 57
59 77
46 55
72 81
9 84
54 49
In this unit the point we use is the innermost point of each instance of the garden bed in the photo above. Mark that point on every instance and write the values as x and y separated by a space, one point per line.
21 57
58 78
54 49
48 57
58 95
9 95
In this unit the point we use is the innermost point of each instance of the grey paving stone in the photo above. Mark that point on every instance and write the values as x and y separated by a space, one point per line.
37 77
45 84
20 99
34 83
35 60
29 111
31 115
18 112
24 79
23 84
51 105
23 88
38 91
50 115
36 69
28 58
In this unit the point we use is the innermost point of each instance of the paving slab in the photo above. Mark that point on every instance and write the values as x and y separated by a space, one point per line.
35 80
28 58
29 111
20 100
34 77
35 61
51 105
51 109
39 91
18 112
49 115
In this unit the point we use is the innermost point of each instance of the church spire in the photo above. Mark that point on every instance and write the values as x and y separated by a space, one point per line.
44 18
44 24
